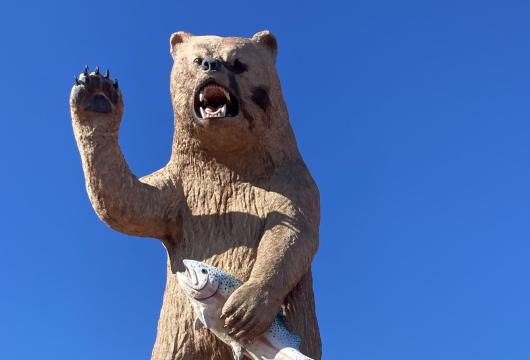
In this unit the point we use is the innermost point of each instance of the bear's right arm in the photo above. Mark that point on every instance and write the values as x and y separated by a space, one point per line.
139 207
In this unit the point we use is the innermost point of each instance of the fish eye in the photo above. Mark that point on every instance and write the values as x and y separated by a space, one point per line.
204 271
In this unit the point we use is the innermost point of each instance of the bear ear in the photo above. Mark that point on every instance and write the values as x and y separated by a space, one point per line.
266 39
177 38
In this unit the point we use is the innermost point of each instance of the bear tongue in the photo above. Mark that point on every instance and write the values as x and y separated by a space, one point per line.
213 101
214 96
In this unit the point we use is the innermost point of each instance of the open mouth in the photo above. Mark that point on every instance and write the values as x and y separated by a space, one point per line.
196 282
215 101
190 278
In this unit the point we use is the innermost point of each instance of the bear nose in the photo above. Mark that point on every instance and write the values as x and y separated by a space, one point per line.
210 64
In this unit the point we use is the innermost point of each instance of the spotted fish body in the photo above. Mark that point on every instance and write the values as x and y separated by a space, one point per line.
208 288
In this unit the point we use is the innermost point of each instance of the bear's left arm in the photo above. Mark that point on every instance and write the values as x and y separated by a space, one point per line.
285 252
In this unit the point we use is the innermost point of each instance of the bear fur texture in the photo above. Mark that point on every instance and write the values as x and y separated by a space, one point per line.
235 193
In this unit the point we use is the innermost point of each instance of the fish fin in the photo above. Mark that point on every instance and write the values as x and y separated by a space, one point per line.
237 350
197 325
203 318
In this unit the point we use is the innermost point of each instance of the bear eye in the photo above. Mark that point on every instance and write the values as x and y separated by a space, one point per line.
197 60
239 67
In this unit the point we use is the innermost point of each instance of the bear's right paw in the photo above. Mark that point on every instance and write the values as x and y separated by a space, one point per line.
97 93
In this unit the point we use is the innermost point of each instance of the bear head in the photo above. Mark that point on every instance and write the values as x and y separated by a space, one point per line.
226 94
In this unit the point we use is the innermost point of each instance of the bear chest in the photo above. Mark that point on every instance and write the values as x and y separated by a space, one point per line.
218 219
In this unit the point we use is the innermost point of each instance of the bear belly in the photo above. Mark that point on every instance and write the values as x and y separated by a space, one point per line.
220 227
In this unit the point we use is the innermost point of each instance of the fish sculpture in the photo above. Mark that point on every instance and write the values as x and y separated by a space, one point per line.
208 288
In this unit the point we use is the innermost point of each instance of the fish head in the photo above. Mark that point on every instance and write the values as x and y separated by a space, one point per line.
199 281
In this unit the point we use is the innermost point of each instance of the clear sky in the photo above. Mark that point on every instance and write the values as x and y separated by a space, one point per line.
413 117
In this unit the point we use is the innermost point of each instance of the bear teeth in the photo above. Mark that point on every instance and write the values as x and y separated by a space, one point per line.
215 101
210 113
211 97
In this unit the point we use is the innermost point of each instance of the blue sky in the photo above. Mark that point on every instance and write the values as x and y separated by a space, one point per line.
413 117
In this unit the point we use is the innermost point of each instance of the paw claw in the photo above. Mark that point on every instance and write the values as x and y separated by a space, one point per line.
115 97
96 92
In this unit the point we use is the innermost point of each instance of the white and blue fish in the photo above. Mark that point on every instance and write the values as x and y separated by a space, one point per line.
208 288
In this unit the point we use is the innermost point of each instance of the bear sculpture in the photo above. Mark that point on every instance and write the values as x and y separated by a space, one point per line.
235 193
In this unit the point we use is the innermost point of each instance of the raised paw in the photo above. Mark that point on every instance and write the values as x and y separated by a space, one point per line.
95 92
